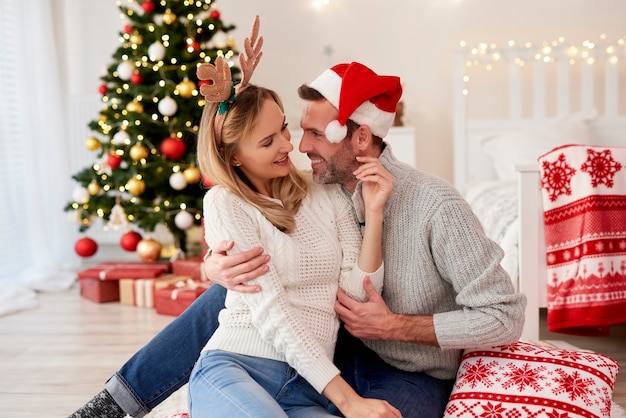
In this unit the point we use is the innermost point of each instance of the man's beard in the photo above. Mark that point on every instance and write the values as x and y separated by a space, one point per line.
338 169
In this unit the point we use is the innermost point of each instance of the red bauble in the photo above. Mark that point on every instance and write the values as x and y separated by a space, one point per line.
103 89
85 247
173 148
215 14
204 82
194 45
129 240
114 161
136 78
128 28
206 182
148 6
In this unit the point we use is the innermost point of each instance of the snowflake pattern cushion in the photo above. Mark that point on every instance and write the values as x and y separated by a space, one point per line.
524 380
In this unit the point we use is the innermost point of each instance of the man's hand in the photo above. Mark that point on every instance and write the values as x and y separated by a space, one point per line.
367 320
234 271
372 320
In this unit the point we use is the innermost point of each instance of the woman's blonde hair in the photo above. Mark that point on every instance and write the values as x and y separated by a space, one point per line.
214 159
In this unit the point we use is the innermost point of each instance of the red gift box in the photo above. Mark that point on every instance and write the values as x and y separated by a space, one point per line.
137 292
175 298
99 291
189 267
109 273
116 270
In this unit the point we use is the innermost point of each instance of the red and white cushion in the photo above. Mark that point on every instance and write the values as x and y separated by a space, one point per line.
524 380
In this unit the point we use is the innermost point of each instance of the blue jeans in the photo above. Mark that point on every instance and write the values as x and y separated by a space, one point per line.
416 395
164 365
224 384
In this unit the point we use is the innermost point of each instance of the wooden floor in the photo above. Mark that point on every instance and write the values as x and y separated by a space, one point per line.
55 357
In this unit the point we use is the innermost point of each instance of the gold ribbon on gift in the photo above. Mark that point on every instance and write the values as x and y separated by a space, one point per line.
189 284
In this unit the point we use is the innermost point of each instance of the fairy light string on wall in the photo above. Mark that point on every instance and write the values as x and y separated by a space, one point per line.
488 55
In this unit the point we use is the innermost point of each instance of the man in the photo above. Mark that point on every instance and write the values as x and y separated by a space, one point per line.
444 287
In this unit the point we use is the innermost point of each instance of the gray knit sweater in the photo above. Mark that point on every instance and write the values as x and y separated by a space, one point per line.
438 261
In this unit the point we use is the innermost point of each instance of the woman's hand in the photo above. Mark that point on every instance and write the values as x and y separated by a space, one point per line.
371 408
377 183
351 405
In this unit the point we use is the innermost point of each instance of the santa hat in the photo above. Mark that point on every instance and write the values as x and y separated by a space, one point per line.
361 95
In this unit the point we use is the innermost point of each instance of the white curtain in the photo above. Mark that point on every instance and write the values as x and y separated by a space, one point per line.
36 245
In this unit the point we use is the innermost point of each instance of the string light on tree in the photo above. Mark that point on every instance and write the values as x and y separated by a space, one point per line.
144 140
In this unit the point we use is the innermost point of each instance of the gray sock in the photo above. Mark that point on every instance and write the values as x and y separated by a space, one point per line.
100 406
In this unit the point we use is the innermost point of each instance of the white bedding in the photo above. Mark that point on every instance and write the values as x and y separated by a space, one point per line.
496 206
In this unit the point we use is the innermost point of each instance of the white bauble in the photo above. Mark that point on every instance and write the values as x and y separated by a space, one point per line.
178 181
125 70
220 40
156 51
183 220
80 195
121 138
167 106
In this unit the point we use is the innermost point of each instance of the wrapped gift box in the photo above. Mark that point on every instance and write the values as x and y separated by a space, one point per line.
189 267
166 280
175 298
115 270
137 292
100 283
99 291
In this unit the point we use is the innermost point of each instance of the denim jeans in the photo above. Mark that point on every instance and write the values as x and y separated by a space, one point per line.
416 395
225 384
164 365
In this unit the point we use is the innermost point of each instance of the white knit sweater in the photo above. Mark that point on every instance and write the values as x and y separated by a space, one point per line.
292 319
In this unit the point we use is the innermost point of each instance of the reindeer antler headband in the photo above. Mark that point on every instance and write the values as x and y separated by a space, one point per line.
220 88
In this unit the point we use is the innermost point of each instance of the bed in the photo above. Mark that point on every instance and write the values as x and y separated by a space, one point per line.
511 105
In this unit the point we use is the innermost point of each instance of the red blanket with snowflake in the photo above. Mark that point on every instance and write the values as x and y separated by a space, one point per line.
584 202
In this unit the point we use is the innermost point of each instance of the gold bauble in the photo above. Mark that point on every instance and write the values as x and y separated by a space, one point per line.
134 106
136 38
93 188
149 249
92 143
192 175
169 17
138 152
136 186
185 88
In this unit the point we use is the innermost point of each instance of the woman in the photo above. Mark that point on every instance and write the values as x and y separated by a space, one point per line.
271 355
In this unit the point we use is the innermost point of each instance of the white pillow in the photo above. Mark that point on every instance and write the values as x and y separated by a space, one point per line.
525 146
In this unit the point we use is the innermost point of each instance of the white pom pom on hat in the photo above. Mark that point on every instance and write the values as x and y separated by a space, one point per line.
361 95
335 132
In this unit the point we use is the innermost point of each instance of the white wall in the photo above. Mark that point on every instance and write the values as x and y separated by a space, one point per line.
409 38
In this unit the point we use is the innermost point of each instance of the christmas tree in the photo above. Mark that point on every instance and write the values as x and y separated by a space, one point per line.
145 173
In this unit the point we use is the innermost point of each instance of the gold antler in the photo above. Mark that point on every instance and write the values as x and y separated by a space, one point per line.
252 54
219 78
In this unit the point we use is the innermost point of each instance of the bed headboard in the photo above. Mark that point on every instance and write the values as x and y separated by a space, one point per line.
512 89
